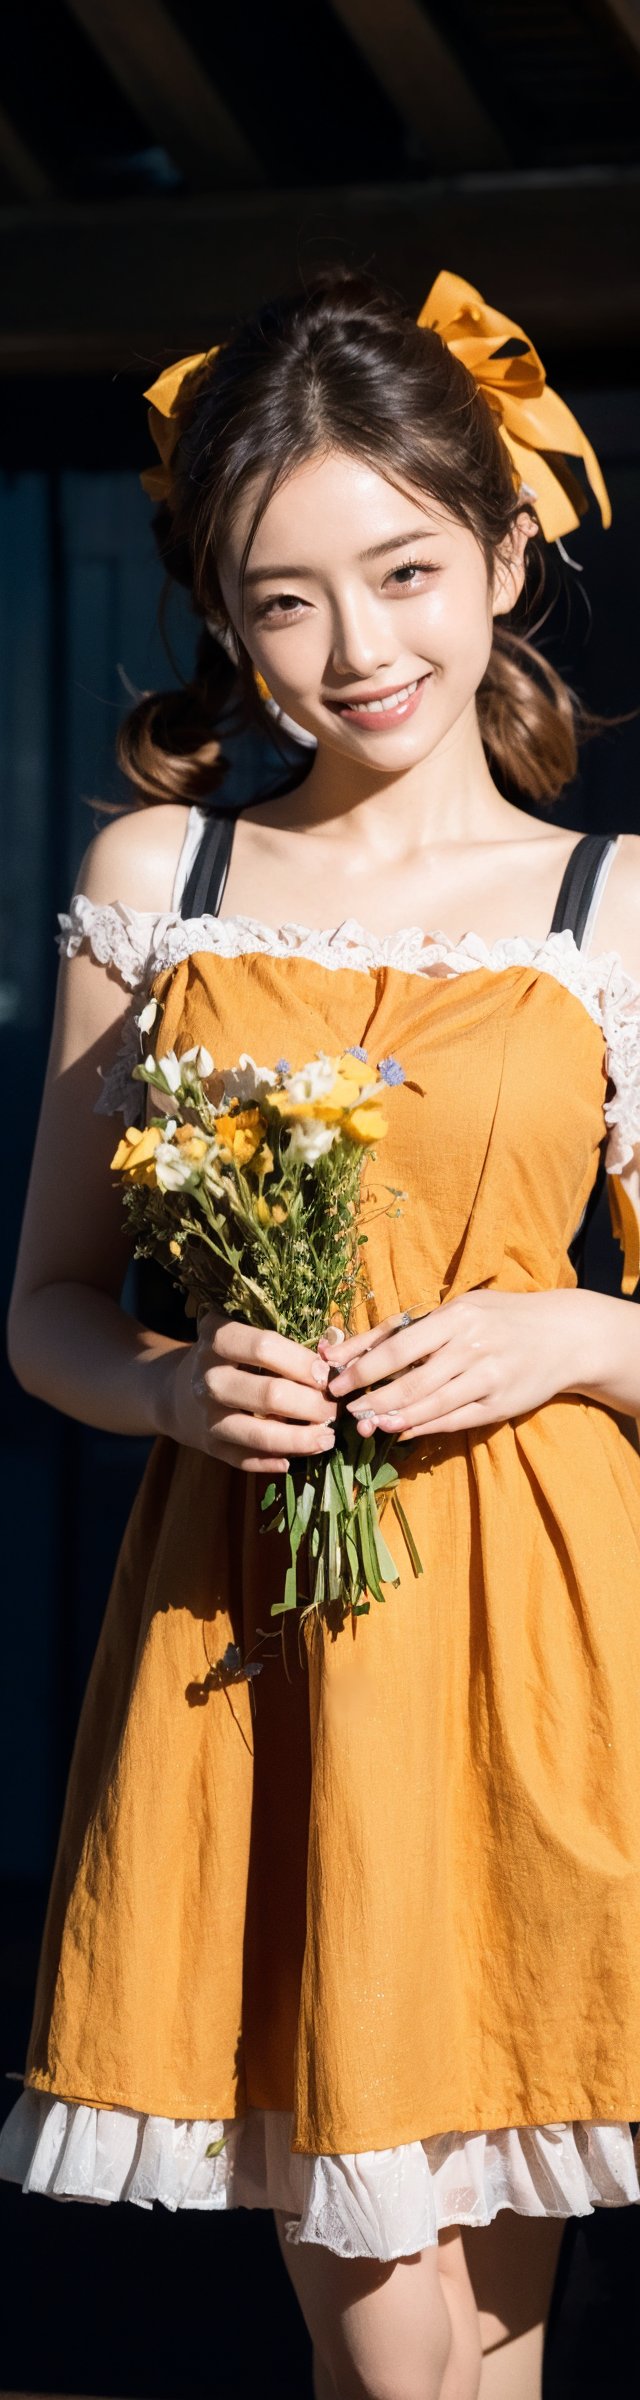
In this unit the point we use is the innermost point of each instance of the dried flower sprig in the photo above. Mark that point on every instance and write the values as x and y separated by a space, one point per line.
247 1188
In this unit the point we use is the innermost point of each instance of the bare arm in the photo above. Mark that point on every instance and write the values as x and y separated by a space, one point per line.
236 1394
69 1341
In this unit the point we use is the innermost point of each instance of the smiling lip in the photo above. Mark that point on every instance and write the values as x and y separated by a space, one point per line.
375 711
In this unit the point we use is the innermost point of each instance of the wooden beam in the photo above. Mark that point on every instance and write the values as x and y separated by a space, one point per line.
420 73
18 164
123 286
152 60
626 18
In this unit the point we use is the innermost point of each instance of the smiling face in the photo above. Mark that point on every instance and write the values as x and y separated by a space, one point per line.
369 614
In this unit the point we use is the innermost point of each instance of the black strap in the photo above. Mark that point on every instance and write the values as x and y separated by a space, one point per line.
207 877
577 886
572 909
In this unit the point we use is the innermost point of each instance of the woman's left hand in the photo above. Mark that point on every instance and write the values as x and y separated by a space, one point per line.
474 1360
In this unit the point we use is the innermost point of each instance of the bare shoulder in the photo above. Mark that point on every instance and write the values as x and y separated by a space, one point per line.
617 925
134 858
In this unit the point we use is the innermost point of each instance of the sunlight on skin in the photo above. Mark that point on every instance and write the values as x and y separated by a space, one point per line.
345 625
512 2265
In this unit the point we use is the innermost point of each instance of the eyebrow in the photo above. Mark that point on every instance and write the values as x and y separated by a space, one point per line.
398 541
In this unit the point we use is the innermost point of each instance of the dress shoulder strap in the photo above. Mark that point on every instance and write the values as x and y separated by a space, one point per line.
578 883
207 877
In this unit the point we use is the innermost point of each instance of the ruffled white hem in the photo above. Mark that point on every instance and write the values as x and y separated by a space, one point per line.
374 2204
140 945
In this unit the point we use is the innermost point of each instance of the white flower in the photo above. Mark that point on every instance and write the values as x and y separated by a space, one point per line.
310 1140
311 1082
165 1071
247 1082
173 1172
199 1058
147 1016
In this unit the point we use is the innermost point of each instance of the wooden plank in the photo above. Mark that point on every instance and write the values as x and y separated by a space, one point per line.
125 286
625 17
22 170
154 64
420 73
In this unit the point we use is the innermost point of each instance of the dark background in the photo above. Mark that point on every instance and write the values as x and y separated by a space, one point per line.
161 170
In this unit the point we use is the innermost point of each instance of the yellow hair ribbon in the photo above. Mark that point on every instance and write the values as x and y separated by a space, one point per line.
538 429
533 419
164 427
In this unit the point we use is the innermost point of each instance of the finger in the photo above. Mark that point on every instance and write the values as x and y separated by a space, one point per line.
457 1421
258 1346
406 1393
390 1356
267 1395
461 1399
253 1434
355 1343
232 1457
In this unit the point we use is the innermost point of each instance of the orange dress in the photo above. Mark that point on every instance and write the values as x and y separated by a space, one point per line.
372 1924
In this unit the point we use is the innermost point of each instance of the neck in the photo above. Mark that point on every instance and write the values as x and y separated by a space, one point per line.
445 799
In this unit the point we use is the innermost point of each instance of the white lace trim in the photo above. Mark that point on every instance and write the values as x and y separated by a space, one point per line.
372 2204
141 945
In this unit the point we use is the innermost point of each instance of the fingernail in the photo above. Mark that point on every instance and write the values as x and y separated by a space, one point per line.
319 1370
327 1438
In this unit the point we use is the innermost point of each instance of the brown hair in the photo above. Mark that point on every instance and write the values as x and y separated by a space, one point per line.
342 365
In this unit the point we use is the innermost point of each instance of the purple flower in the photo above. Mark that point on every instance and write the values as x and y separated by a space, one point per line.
283 1066
356 1051
390 1070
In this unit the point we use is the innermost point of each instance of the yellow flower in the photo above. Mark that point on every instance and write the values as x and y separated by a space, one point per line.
175 1249
241 1135
192 1145
355 1069
365 1124
262 1161
351 1076
329 1108
134 1155
267 1215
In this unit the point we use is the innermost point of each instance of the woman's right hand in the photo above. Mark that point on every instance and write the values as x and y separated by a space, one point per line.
248 1396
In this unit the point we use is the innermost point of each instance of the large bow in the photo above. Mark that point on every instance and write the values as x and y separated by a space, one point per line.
535 424
538 429
164 424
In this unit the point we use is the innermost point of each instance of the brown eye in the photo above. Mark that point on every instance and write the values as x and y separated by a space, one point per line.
406 574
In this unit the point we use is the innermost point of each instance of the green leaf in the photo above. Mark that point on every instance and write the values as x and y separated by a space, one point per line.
414 1553
353 1554
279 1607
269 1496
386 1564
385 1476
347 1478
291 1585
305 1504
368 1554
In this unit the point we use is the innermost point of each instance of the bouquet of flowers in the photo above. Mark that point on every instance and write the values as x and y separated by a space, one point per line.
246 1187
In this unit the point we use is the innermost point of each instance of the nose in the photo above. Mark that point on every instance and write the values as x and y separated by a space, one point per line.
362 642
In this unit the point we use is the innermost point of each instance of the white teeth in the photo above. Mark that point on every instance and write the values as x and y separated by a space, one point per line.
371 708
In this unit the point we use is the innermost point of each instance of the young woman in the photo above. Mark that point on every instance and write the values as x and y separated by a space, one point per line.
379 1935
